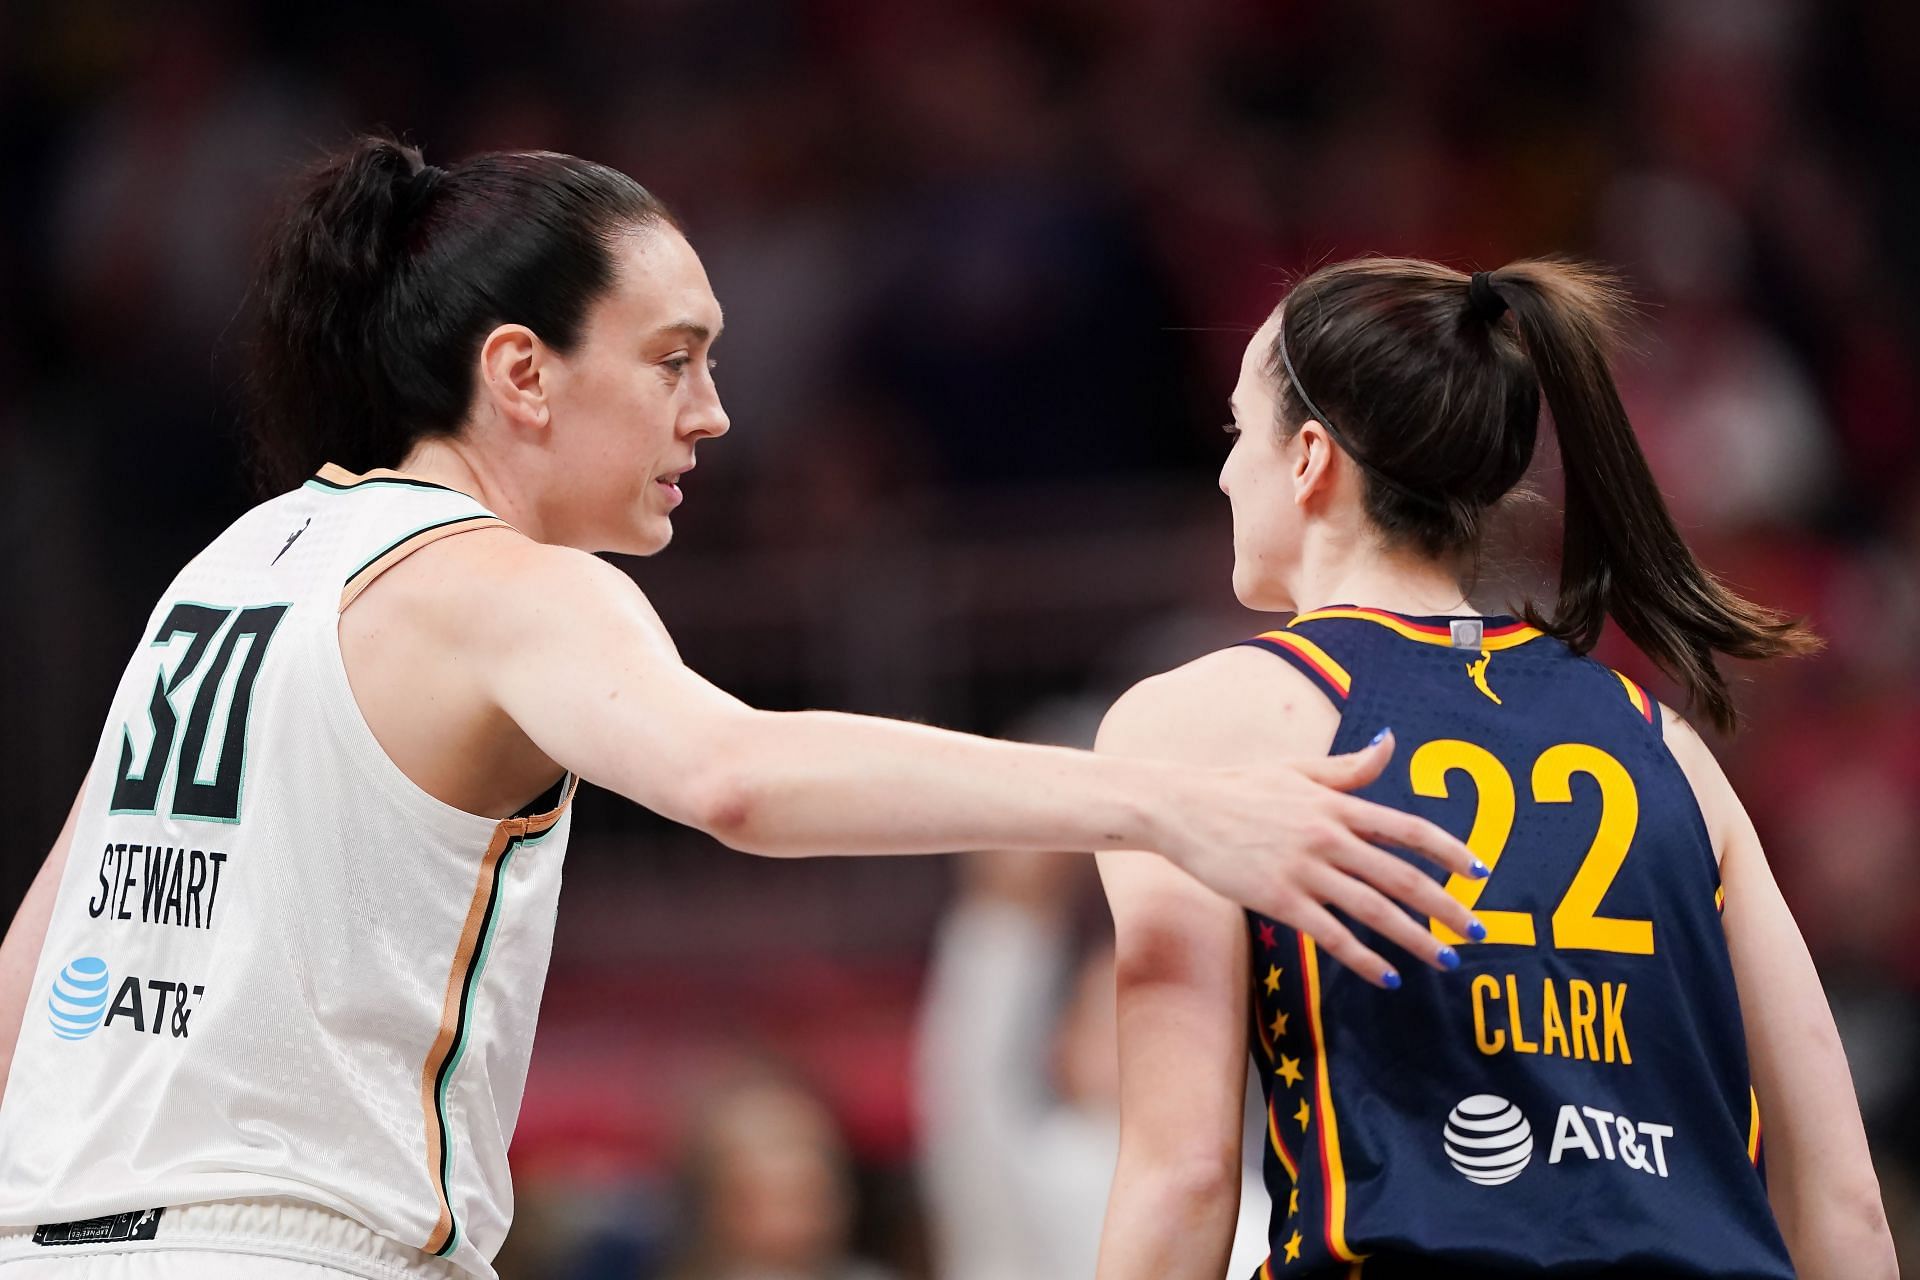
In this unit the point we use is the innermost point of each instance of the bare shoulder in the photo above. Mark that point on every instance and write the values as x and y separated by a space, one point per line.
1232 706
496 584
1719 806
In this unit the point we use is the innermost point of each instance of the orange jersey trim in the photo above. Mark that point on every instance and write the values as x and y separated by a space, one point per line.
1492 640
364 576
456 1010
1331 1167
1753 1127
1314 656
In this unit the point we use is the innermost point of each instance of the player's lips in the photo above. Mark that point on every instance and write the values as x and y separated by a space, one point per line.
671 483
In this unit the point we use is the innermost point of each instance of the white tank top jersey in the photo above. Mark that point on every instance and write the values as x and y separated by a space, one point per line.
276 967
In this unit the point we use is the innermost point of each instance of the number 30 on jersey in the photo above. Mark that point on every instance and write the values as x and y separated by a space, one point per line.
197 796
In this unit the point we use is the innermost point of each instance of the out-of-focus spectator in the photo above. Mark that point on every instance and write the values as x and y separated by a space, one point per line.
1019 1070
1727 415
768 1189
1019 1081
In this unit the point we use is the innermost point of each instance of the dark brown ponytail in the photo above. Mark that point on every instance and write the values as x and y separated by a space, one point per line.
1420 376
385 274
1621 553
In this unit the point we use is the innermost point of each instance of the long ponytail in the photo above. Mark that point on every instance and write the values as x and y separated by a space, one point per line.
1622 554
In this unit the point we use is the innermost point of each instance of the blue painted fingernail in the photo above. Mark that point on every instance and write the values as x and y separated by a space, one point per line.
1380 737
1479 870
1391 981
1477 931
1449 958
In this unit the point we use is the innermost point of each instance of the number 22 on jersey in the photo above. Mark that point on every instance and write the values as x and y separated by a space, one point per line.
1577 924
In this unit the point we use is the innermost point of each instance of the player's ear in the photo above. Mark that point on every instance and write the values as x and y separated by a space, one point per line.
1311 457
514 376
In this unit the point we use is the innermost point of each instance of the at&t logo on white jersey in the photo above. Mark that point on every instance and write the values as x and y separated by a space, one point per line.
78 1002
84 1000
1488 1140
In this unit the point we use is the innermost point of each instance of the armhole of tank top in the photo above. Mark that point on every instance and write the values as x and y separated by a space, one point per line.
357 736
1702 827
405 545
1643 704
1320 668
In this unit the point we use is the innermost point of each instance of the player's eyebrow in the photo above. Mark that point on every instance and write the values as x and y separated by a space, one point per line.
690 329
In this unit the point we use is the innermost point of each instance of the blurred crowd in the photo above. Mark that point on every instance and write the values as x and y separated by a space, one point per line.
988 266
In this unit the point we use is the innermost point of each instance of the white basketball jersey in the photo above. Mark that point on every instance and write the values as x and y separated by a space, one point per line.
276 967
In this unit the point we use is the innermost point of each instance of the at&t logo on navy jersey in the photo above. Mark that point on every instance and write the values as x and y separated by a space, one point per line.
1488 1140
79 1005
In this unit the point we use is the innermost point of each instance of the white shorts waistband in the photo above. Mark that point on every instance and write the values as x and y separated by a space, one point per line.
295 1230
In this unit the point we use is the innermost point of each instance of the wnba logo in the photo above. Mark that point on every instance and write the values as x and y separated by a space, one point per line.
79 1000
1488 1141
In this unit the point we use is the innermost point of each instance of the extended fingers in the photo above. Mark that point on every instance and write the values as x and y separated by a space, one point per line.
1338 941
1378 823
1401 879
1369 906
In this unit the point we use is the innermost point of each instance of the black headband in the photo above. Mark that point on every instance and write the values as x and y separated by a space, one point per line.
1314 411
1483 300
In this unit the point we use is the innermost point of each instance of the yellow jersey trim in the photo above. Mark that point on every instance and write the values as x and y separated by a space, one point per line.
1493 641
1331 1166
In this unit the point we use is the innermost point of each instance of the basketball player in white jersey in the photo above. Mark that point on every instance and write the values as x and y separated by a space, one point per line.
267 1009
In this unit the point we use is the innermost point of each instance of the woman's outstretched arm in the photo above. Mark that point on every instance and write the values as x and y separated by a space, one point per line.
583 666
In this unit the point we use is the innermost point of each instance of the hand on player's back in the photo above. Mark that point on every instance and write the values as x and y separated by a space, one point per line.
1288 842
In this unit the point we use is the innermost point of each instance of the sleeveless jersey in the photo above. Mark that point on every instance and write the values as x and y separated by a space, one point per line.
1576 1095
275 966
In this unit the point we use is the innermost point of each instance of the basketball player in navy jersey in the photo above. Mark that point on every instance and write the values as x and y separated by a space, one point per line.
267 1009
1635 1008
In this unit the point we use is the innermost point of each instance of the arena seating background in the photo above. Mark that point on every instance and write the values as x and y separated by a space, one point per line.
987 270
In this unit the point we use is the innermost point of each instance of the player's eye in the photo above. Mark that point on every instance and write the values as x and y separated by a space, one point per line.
1231 428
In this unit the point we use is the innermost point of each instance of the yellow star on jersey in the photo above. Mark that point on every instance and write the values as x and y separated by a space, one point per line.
1293 1202
1280 1024
1303 1114
1293 1248
1289 1070
1273 978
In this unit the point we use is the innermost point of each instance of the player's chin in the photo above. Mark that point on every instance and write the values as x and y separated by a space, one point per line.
650 536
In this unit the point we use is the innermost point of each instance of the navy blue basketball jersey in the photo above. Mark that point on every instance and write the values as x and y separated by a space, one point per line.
1576 1095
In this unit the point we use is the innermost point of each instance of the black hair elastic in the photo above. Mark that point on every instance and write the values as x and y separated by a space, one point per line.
1483 300
417 190
1314 411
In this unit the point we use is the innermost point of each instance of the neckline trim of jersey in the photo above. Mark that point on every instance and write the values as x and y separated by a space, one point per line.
1502 631
334 478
